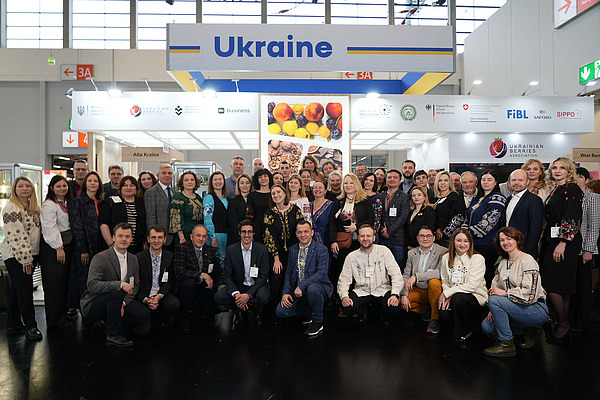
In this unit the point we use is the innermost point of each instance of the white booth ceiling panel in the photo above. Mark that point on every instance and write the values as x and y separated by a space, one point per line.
127 134
212 135
375 135
173 135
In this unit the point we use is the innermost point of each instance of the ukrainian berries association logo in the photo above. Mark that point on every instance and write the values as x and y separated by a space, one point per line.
136 111
408 112
178 110
498 148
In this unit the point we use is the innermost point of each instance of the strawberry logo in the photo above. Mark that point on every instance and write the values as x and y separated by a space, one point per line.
465 107
498 148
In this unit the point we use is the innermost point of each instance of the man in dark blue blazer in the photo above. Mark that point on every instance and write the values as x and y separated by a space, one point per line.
524 211
245 274
306 286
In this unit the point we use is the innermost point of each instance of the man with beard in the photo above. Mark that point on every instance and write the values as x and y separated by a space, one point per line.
408 172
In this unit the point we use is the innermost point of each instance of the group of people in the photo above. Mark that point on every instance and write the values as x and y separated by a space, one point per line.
134 252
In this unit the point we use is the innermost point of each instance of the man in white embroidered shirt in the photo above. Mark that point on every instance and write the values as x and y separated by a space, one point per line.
371 267
113 282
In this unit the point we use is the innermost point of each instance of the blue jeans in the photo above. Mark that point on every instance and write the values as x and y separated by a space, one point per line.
313 299
510 318
399 252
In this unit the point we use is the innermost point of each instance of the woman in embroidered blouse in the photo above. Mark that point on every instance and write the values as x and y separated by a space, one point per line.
449 208
561 242
483 220
298 197
280 234
20 249
146 179
463 285
369 184
380 174
215 213
422 214
259 201
186 207
83 217
238 207
320 209
537 178
351 210
517 300
126 207
55 251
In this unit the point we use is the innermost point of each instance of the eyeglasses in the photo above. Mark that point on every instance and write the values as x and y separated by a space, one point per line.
246 232
425 236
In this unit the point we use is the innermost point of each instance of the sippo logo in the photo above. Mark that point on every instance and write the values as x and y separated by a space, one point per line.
136 111
498 148
576 114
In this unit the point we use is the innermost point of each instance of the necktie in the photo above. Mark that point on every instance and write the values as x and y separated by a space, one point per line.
169 195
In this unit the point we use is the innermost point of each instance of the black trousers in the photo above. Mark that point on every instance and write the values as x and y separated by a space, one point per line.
189 291
107 306
20 296
276 280
466 312
55 280
361 304
168 306
337 263
490 254
261 298
581 302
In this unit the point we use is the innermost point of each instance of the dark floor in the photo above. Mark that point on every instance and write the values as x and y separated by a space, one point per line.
347 361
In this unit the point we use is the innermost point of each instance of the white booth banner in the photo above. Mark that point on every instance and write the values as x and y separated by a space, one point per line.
170 111
292 127
406 113
508 148
261 47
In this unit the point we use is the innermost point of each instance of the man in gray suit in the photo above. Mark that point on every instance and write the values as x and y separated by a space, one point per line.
422 276
157 200
113 282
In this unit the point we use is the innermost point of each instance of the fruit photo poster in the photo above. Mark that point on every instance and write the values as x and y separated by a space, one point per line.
293 126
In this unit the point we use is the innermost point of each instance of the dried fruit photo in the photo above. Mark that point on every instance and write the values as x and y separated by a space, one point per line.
324 154
280 151
308 121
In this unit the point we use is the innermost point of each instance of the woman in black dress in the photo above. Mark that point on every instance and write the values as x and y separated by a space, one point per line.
561 242
280 234
238 207
449 208
258 201
126 207
421 214
350 210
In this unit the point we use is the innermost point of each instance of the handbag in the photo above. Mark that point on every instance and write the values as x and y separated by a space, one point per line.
344 239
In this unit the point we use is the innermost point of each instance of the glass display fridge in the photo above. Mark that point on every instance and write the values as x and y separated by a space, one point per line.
203 169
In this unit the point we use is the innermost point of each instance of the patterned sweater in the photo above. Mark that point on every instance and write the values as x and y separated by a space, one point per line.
524 284
21 233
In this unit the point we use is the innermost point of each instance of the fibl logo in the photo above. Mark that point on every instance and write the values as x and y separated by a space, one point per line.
516 114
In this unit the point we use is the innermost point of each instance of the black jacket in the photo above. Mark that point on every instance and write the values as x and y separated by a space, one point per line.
145 271
234 273
363 210
186 263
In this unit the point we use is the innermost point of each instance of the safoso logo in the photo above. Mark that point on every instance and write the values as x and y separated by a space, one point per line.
498 148
136 110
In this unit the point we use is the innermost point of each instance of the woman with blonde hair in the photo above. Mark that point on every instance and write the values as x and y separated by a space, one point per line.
351 209
422 214
298 196
449 208
334 185
561 242
20 249
537 178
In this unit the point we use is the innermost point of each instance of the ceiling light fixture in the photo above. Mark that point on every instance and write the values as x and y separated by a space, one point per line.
475 83
532 83
372 95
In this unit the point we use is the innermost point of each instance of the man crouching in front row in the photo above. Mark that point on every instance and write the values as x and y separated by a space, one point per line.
112 283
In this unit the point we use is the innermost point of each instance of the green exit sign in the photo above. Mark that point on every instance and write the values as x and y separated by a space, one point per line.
589 72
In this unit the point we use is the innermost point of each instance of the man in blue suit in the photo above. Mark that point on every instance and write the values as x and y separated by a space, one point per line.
245 274
306 286
524 211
